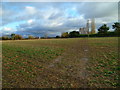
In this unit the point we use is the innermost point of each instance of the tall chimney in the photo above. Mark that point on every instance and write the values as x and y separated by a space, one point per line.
93 26
87 27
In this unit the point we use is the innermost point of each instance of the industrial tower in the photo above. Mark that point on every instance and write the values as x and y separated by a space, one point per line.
93 26
87 27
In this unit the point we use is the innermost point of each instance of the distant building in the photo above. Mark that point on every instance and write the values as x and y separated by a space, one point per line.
85 30
93 26
82 31
87 27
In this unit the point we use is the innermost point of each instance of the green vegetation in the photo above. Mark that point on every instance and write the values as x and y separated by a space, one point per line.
61 63
74 34
103 66
23 62
103 30
116 26
31 37
65 35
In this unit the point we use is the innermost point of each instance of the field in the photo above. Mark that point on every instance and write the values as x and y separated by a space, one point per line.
60 63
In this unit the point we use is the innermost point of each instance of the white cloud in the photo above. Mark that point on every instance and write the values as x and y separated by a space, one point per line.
104 22
30 10
30 21
7 30
54 24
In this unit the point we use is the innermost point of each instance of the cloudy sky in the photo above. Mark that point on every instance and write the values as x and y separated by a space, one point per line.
38 18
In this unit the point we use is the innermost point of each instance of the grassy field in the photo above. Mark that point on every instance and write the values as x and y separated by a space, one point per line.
60 63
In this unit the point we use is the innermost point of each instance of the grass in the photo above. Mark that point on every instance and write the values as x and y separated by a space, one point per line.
58 63
25 61
103 65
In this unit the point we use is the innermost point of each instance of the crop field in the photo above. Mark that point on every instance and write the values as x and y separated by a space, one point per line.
60 63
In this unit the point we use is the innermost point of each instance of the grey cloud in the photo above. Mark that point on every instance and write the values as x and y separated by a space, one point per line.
41 29
98 10
54 10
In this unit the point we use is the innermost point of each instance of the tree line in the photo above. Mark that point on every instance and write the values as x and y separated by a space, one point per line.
17 37
103 31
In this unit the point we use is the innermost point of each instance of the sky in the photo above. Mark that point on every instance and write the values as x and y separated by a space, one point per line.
41 18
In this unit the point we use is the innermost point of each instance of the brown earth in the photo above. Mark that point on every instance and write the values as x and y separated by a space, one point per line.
68 70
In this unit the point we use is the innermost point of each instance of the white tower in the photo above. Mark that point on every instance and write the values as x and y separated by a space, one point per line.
87 27
93 26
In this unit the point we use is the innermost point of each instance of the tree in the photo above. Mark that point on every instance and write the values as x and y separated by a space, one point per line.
74 34
103 30
116 26
13 36
18 37
65 35
57 36
30 37
5 38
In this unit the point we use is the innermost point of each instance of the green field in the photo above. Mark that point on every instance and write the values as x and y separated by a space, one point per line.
60 63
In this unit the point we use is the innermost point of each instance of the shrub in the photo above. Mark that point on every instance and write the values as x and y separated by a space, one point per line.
31 37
